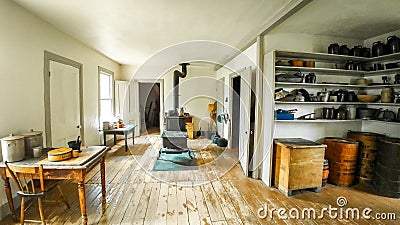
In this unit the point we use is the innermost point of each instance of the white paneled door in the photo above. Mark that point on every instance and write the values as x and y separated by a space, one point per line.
64 104
245 104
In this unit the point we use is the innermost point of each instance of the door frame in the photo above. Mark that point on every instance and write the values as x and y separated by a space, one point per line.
153 81
231 90
49 56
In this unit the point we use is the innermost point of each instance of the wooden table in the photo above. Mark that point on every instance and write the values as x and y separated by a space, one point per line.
121 131
75 168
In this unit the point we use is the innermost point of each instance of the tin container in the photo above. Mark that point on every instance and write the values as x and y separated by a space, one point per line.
13 148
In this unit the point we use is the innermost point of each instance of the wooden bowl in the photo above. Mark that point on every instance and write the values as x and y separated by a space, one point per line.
368 98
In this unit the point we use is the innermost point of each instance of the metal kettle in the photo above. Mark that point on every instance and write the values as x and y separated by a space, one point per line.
378 49
393 44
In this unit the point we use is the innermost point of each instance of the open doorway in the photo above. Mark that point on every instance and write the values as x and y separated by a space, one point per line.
149 102
235 111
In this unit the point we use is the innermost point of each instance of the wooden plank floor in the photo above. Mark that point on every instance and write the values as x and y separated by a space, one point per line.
216 193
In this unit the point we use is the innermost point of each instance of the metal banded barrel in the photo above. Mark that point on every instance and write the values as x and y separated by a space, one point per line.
342 156
387 180
367 154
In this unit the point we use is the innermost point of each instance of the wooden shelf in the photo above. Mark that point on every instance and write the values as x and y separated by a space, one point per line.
321 71
382 72
319 85
324 57
318 121
321 57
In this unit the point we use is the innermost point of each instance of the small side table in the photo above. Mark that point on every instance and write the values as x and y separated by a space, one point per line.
121 131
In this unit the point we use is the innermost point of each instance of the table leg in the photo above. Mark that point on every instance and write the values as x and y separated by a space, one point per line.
126 142
103 182
115 138
82 201
105 140
133 136
7 188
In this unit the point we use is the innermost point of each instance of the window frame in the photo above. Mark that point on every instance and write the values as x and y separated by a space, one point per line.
102 70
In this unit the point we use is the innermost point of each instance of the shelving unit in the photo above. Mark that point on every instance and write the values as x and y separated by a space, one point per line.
331 78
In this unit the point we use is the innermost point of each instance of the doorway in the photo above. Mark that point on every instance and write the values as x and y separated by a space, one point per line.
149 107
235 112
63 100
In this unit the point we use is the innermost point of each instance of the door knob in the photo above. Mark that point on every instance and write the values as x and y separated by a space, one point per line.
78 126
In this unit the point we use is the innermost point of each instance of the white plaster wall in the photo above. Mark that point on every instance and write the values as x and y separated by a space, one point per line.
247 58
196 91
23 39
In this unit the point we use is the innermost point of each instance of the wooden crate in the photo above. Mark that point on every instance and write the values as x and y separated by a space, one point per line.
300 164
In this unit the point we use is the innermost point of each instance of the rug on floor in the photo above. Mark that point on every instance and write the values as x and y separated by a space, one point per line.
173 162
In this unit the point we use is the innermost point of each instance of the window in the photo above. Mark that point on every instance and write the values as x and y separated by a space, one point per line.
106 95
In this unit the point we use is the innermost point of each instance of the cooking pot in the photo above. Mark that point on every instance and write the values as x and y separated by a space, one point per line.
367 113
393 44
290 78
323 96
350 96
13 148
341 113
310 78
378 49
32 139
328 113
344 50
356 50
365 52
386 115
333 48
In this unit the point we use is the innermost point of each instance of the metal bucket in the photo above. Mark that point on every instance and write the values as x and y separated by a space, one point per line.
32 139
13 148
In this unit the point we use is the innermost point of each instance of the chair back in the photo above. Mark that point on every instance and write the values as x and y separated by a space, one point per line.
24 177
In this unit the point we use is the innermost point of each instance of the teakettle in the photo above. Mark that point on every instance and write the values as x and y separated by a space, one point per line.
310 78
356 50
333 48
393 44
378 49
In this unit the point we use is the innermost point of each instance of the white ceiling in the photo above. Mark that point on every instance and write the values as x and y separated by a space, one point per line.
359 19
130 31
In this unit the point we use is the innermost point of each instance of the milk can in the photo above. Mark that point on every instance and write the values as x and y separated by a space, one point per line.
13 148
32 139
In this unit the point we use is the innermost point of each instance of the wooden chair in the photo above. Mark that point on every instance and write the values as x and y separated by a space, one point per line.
26 178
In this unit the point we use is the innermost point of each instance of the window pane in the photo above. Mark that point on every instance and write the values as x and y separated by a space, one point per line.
105 86
106 110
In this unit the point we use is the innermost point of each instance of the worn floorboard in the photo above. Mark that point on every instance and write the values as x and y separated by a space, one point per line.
216 193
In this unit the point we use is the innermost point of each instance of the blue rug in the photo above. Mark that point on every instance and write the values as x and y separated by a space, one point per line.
170 162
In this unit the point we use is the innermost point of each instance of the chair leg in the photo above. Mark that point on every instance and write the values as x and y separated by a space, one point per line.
63 196
22 217
41 211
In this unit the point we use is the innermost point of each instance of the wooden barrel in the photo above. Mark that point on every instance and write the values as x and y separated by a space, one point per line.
387 180
342 156
325 172
367 154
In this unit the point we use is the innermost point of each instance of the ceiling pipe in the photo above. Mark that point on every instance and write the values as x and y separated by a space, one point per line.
178 74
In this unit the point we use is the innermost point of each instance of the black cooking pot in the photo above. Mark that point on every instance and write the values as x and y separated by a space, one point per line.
367 113
344 50
356 50
333 48
222 142
378 49
366 52
351 96
393 44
